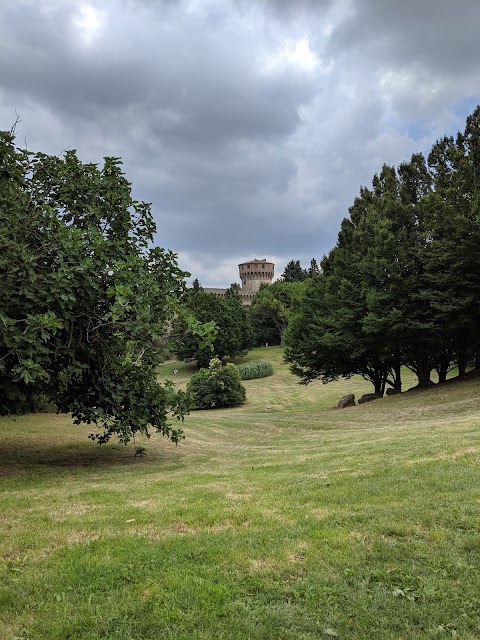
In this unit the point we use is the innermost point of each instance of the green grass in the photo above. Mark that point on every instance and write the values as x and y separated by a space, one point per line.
280 519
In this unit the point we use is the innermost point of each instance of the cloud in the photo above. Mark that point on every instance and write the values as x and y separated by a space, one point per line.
250 126
434 34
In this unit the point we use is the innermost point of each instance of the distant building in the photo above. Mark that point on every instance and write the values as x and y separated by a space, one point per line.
252 274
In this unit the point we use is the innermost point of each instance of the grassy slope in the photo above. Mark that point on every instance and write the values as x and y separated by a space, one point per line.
280 519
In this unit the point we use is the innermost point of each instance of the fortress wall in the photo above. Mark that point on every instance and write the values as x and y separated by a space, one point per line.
220 293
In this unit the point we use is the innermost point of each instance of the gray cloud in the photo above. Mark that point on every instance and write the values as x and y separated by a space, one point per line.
436 34
250 126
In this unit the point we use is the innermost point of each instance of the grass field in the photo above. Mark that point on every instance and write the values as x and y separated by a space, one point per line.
283 518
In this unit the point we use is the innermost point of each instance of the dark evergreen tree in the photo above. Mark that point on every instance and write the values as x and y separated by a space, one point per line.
453 267
235 335
187 344
399 318
314 269
326 338
402 286
293 272
272 308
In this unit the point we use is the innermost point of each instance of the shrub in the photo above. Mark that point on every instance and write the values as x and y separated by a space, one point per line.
216 387
255 369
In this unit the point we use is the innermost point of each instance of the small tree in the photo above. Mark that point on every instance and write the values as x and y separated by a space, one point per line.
294 273
216 387
314 269
235 336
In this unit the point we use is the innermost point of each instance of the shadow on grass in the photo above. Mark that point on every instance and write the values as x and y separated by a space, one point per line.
33 456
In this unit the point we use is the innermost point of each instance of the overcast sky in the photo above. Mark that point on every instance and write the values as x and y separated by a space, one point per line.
249 124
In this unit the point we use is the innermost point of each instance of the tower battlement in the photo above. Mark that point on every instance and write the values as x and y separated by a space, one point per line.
253 274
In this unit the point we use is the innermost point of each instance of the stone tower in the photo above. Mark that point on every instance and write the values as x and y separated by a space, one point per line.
252 274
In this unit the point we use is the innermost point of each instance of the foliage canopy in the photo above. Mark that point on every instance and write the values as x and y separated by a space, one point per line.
402 284
85 296
272 308
232 332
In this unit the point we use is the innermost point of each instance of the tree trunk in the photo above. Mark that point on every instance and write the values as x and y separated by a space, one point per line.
384 382
282 327
423 374
462 363
442 371
442 368
379 380
398 375
477 357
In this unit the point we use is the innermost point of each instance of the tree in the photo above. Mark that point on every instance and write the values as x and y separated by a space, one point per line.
391 260
454 236
314 269
369 315
401 287
188 344
325 338
273 306
233 334
216 387
85 296
396 289
294 273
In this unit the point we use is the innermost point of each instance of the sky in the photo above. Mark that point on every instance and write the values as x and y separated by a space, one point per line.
250 125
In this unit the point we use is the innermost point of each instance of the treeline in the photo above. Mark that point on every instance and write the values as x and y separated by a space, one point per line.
238 328
402 285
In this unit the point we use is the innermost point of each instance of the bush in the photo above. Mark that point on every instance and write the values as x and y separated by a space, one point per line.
216 387
255 369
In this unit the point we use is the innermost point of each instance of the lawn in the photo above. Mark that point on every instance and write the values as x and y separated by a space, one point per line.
283 518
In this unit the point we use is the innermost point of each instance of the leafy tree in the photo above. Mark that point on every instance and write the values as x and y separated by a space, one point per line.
85 297
188 344
265 331
216 387
233 334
